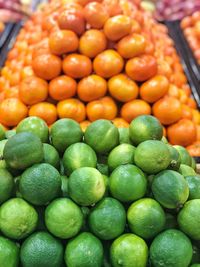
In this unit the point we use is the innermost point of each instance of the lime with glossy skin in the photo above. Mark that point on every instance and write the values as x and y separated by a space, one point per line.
175 158
186 170
124 136
9 253
51 156
193 182
6 185
184 154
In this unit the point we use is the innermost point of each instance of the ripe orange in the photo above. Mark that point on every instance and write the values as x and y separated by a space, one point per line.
84 125
192 103
11 92
186 112
122 88
45 111
62 87
120 123
91 88
77 66
33 90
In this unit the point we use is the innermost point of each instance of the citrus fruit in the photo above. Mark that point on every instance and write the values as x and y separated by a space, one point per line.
146 218
51 156
193 165
175 158
152 156
79 155
2 132
42 250
120 155
6 185
193 182
40 184
86 186
129 250
84 250
36 126
102 136
145 127
171 221
186 170
107 219
9 253
64 186
23 150
127 183
189 219
185 156
124 137
18 219
164 252
170 189
63 218
65 132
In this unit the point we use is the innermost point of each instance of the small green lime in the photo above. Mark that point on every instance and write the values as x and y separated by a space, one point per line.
175 158
51 156
6 185
185 156
186 170
9 253
64 186
124 137
194 186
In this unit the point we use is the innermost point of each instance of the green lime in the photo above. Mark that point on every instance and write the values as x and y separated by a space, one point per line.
23 150
64 186
146 218
102 136
127 183
185 156
64 133
10 133
63 218
152 156
186 170
170 189
18 219
120 155
171 248
106 182
42 250
164 140
36 126
129 250
189 219
86 186
194 186
6 185
40 184
108 218
195 265
193 165
2 132
79 155
145 127
9 253
175 158
171 221
124 137
85 250
51 156
2 161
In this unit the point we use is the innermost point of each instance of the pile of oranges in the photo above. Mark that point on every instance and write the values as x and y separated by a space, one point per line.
191 29
88 60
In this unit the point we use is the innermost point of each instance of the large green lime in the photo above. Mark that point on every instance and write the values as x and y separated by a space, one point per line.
124 137
40 184
79 155
185 156
186 170
9 253
36 126
120 155
108 218
175 158
152 156
42 250
102 136
85 250
194 186
145 127
51 156
171 248
63 218
129 250
127 183
170 189
86 186
146 218
6 185
18 219
64 133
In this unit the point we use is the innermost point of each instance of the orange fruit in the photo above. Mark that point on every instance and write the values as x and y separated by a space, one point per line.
92 43
194 149
192 103
182 133
62 87
108 63
186 112
167 110
135 108
47 66
62 42
173 91
91 88
11 92
33 90
195 116
45 111
84 125
155 88
122 88
71 108
12 111
120 123
77 66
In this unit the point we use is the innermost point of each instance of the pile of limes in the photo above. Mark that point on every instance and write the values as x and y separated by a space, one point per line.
103 197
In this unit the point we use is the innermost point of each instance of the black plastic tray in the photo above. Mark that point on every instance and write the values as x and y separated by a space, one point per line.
5 34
